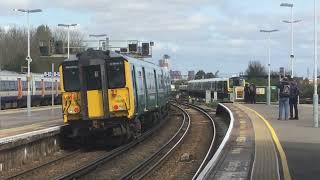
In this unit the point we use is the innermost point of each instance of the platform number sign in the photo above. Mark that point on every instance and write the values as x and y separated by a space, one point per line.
49 74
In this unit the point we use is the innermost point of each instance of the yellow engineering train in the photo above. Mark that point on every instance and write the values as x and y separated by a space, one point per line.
111 98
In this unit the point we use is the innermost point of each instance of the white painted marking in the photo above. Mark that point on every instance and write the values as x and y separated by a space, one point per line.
25 153
27 135
218 153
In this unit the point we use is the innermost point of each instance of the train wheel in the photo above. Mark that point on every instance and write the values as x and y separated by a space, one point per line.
136 127
121 135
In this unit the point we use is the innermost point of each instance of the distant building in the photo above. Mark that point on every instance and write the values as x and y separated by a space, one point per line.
191 75
175 75
164 62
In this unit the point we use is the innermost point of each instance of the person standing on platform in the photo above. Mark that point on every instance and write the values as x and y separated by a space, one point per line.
293 101
252 89
246 93
284 98
254 94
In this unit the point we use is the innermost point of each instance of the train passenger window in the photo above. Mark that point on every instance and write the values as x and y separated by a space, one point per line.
24 86
12 85
38 85
116 74
2 86
93 77
71 75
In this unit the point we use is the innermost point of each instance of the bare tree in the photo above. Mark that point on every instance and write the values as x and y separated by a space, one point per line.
76 37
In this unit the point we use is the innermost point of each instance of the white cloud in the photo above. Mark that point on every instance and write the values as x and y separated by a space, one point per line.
217 32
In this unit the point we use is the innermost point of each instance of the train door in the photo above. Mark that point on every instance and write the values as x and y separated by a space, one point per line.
156 87
145 88
94 97
135 87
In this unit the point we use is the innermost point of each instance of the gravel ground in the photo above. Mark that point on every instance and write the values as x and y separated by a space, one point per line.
196 145
54 170
33 164
130 159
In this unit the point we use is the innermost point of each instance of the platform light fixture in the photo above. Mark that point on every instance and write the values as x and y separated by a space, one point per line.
290 5
68 28
315 78
100 35
269 63
28 58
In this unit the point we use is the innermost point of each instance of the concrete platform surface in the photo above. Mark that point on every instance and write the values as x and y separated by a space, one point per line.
13 122
300 141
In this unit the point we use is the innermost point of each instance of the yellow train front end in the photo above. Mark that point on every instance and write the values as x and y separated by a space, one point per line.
97 99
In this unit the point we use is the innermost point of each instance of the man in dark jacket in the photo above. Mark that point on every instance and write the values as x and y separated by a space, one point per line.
253 92
246 93
293 101
284 98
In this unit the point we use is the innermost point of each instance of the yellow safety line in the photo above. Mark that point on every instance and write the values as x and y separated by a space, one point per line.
285 167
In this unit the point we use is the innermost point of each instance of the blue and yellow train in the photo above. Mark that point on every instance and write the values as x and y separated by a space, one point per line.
224 87
108 96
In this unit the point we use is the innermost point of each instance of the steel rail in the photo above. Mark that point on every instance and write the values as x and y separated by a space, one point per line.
207 157
85 169
184 128
214 160
27 171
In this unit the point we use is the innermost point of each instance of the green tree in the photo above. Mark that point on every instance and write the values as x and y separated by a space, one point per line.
255 69
200 75
209 75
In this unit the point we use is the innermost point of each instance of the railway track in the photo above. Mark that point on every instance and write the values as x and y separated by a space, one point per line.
97 158
145 167
87 168
148 165
43 165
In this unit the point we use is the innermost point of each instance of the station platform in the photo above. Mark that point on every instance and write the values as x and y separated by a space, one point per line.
16 121
263 147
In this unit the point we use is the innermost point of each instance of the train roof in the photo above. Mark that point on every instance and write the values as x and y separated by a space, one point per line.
102 54
143 62
208 80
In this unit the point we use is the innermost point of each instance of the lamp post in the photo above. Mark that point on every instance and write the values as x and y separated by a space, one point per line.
315 94
290 22
100 35
269 64
68 26
29 59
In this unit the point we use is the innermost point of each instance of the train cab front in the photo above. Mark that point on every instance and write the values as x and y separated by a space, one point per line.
96 99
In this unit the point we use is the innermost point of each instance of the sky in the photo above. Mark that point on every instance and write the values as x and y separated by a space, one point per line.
209 35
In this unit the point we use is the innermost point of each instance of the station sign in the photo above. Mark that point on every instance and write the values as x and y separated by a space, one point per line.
49 74
261 91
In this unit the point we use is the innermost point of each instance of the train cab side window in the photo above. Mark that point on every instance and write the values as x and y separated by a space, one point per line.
116 74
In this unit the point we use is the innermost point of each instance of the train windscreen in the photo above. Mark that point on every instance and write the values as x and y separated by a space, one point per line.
71 80
116 74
